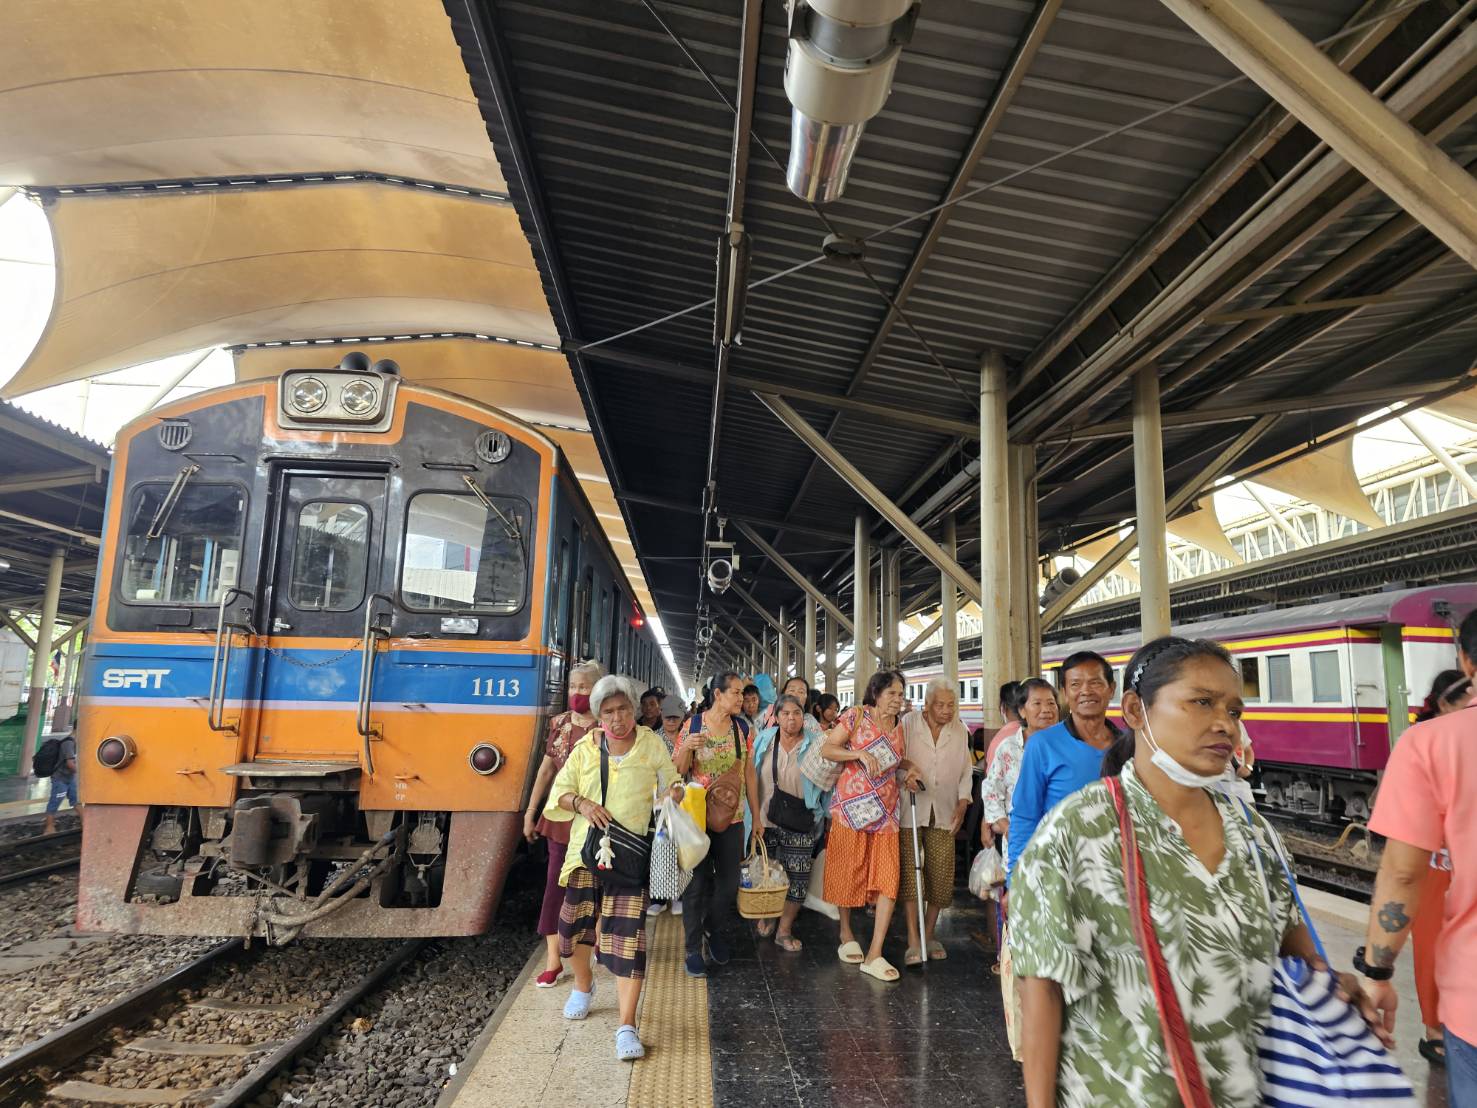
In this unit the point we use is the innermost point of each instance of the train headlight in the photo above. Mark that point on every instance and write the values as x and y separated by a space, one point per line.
308 395
116 751
485 759
359 398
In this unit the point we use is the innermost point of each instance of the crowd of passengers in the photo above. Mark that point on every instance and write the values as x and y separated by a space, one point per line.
1058 790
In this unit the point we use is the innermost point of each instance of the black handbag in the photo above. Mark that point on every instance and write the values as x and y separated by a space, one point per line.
631 861
786 811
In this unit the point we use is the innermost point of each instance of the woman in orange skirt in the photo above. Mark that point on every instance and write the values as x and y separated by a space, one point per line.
862 845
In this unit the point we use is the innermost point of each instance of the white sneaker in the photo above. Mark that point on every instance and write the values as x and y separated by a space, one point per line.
676 907
656 907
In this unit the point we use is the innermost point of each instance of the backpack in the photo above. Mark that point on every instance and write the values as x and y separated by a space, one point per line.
48 757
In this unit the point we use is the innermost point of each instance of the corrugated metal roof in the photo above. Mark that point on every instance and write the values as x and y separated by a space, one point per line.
629 153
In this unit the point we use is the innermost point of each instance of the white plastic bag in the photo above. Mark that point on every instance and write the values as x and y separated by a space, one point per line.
986 872
691 840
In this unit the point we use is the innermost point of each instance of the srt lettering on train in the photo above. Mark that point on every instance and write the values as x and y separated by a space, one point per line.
134 678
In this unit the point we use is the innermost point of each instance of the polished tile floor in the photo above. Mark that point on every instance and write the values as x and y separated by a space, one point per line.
803 1029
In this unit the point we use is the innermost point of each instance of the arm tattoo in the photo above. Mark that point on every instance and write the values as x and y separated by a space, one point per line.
1392 916
1381 956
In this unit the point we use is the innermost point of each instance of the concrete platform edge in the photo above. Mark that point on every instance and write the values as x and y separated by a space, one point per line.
465 1067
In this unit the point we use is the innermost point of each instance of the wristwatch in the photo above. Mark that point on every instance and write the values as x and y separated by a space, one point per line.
1374 973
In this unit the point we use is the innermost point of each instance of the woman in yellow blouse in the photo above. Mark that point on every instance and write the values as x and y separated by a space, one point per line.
639 766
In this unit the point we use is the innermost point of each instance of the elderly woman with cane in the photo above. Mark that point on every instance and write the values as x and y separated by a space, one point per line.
938 745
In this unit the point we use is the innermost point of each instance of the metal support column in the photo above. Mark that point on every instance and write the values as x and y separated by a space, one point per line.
833 644
1359 127
1148 476
807 653
869 492
995 630
861 611
1025 569
785 566
891 604
949 608
1456 469
41 657
785 649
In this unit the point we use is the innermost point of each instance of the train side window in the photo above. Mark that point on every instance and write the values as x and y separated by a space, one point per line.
330 556
1279 678
1328 686
461 556
183 553
1251 679
563 587
586 602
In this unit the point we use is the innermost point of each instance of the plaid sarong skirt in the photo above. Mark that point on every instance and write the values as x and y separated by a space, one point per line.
622 945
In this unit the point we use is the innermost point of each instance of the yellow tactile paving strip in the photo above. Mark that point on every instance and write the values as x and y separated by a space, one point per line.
537 1057
678 1067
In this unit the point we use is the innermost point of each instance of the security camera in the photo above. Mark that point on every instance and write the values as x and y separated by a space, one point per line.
720 574
1058 585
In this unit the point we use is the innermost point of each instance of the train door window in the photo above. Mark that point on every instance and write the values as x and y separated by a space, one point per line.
330 556
1251 679
563 588
1328 685
584 601
963 689
464 554
183 543
1279 678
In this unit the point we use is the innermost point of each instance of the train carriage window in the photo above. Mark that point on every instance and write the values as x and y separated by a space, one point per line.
186 552
1251 679
1328 686
330 556
464 555
1279 678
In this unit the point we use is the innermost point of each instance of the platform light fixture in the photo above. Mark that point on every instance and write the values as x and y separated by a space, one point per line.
838 74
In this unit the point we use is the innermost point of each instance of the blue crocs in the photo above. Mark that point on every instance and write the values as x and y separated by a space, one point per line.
627 1044
577 1007
695 966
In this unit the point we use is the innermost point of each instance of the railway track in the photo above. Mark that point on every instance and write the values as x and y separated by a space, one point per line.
211 1047
1333 875
27 859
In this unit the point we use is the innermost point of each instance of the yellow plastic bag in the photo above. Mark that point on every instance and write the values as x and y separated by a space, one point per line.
695 803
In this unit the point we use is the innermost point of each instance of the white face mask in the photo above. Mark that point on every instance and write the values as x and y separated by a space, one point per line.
1172 769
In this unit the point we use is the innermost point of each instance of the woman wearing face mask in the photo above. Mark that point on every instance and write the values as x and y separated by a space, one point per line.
638 765
790 825
1091 1033
862 844
565 729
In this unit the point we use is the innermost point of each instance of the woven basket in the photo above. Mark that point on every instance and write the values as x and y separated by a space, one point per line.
765 899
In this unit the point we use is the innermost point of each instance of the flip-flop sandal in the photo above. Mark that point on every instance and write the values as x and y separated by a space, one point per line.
1433 1051
628 1046
936 951
851 953
881 969
789 943
913 957
995 968
765 928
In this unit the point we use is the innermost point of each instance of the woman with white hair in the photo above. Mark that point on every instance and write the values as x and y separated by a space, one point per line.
938 747
609 781
565 729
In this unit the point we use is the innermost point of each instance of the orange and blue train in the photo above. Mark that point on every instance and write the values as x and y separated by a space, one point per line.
334 611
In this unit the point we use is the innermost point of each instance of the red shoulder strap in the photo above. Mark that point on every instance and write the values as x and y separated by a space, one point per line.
1177 1041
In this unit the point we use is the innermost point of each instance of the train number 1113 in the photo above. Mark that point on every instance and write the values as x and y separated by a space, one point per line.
495 687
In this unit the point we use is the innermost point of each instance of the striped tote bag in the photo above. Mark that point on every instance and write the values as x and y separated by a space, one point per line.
1316 1050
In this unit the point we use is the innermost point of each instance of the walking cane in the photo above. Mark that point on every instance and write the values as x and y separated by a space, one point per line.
918 875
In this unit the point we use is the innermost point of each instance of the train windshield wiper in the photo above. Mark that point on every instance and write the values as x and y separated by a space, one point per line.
509 525
171 501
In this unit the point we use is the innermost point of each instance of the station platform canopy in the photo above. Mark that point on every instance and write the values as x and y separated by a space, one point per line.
1081 189
525 202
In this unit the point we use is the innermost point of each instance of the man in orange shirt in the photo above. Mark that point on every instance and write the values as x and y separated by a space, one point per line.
1428 800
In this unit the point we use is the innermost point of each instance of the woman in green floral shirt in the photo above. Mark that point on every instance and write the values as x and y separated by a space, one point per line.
1091 1031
